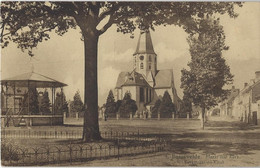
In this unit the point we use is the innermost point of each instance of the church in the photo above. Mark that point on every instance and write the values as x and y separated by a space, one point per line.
145 82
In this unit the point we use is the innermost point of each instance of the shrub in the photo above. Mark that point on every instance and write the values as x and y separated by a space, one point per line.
9 152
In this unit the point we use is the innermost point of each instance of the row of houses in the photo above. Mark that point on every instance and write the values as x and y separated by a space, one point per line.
244 104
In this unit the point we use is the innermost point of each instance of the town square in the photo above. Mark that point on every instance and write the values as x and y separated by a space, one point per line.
130 84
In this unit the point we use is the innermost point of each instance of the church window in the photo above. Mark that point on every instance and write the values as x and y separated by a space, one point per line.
141 94
150 95
150 66
141 57
150 58
146 94
141 66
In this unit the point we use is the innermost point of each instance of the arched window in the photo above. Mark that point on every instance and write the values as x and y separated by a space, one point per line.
150 58
141 66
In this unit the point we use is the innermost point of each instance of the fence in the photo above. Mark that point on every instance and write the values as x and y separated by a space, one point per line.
75 135
14 156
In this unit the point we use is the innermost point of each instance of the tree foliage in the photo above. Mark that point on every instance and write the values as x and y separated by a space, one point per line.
127 106
110 105
76 106
118 104
186 105
155 108
45 103
32 97
208 73
28 23
61 104
166 108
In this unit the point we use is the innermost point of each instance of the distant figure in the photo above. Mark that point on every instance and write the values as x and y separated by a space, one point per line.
106 116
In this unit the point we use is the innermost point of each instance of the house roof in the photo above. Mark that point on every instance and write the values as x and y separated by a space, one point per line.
164 78
250 87
255 87
234 93
144 44
38 80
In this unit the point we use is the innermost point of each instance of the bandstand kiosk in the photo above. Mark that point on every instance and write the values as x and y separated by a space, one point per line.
13 92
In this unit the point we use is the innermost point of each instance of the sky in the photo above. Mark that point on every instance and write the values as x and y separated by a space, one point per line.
62 57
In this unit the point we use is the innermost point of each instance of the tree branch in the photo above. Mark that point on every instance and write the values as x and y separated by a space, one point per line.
71 8
107 12
2 31
79 8
94 9
107 25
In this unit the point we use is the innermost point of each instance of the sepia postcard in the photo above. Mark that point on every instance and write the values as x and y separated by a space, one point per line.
129 83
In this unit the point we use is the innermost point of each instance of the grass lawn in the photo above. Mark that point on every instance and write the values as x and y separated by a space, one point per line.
124 125
222 143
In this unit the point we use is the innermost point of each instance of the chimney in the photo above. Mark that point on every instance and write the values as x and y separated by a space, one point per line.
245 85
257 75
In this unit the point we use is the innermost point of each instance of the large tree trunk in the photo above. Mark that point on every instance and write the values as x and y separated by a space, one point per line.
202 117
91 126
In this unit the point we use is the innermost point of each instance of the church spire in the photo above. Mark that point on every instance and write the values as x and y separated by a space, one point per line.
145 59
144 44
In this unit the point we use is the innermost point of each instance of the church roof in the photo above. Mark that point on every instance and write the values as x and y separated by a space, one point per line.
164 78
144 44
121 79
131 79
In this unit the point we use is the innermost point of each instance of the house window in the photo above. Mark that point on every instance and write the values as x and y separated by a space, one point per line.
150 66
141 66
150 58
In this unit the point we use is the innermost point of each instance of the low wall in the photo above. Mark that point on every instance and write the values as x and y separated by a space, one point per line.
32 120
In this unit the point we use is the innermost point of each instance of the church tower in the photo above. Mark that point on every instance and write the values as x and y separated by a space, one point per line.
145 82
145 59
